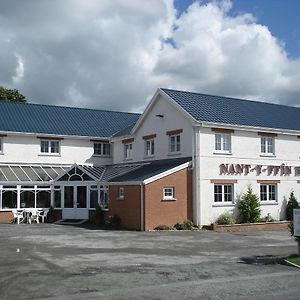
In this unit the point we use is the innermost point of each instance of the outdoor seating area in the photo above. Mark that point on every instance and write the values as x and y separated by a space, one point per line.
30 216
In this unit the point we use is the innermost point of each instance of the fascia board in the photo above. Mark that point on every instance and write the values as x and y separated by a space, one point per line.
248 128
166 173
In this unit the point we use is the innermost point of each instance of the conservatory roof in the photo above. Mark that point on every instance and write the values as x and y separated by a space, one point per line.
30 173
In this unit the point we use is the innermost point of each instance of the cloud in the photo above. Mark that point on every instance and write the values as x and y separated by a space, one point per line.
115 54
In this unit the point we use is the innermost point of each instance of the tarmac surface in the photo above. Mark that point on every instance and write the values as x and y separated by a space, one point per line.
47 261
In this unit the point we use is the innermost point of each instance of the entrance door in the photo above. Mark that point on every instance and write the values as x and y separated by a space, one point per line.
75 202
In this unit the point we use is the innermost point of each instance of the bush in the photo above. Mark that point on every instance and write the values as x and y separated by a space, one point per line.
163 227
226 218
99 215
114 221
186 225
292 203
51 215
249 207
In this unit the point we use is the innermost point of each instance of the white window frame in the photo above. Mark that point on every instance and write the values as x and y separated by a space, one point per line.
177 144
49 148
267 142
128 150
223 193
268 193
101 144
151 151
169 193
222 142
121 193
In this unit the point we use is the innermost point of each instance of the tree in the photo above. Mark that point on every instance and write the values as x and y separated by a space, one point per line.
249 206
11 95
292 203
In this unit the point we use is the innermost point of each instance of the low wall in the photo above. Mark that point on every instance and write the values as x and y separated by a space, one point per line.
6 217
282 225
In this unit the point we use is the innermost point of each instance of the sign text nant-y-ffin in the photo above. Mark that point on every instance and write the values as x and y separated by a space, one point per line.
238 169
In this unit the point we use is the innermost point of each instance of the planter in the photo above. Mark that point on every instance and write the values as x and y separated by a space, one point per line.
280 225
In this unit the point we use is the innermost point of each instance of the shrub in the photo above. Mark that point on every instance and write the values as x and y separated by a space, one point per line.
249 207
292 203
163 227
51 216
99 214
113 221
186 225
226 218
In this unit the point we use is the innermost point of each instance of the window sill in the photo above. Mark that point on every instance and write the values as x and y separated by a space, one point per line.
166 200
268 203
267 155
222 204
49 154
222 153
120 199
99 155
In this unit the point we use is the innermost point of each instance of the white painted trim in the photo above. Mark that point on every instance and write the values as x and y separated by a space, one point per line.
151 103
142 206
166 173
248 128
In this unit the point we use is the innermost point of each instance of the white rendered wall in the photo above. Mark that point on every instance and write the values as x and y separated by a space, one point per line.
26 149
173 119
246 150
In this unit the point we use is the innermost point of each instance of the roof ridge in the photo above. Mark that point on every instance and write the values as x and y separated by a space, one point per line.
231 98
69 107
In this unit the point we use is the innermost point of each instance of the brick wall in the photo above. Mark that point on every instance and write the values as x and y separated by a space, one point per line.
128 209
6 217
163 212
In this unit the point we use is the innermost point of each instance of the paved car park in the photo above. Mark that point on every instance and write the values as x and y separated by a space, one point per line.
47 261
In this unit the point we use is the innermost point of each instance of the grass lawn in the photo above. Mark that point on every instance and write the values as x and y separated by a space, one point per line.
294 260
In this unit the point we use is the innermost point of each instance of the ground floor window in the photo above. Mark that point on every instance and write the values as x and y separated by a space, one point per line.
169 193
223 193
9 198
268 192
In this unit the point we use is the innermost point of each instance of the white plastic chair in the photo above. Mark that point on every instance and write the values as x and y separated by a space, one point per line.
18 216
33 217
41 214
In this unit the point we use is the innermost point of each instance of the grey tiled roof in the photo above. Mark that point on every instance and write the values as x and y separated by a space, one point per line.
59 120
216 109
137 171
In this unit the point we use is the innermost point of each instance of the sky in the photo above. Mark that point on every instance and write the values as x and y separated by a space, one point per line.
114 54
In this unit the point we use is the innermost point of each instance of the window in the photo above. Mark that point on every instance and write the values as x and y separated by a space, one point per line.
174 143
93 196
128 150
222 142
57 196
268 192
50 147
267 145
102 149
169 193
149 147
121 193
223 193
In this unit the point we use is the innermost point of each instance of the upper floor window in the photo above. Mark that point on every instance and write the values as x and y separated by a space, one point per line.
50 147
101 148
174 143
128 150
149 147
268 192
149 144
121 193
267 145
223 193
223 142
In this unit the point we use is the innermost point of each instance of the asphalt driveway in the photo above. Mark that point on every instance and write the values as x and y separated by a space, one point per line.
47 261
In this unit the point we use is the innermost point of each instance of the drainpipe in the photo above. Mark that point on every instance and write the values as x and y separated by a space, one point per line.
196 181
142 205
